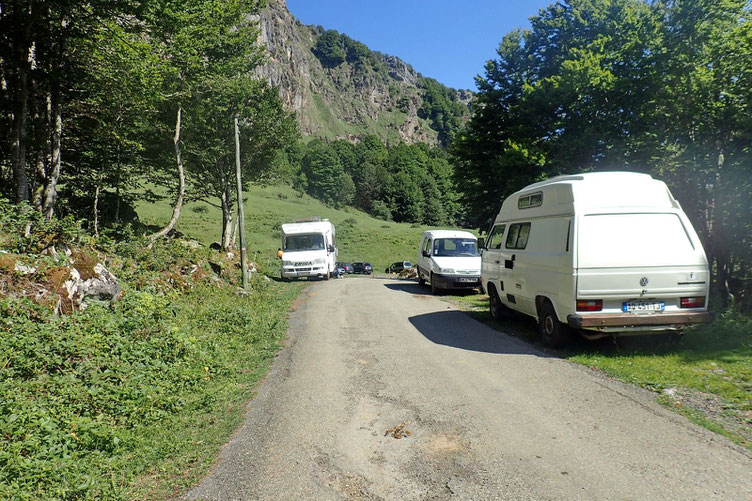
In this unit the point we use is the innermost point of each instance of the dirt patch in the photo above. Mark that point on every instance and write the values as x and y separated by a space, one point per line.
441 446
7 263
84 264
713 408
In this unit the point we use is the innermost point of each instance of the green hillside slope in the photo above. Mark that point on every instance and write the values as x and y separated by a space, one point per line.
360 237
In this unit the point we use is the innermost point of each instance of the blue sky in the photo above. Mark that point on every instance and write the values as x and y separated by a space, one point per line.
442 39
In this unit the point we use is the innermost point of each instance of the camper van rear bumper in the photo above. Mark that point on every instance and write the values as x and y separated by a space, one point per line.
631 320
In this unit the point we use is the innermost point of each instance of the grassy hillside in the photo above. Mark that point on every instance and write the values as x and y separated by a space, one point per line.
360 237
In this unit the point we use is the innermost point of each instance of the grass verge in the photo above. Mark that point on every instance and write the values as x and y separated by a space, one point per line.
706 376
129 399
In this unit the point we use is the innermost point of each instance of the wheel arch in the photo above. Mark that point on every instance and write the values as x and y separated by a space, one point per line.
541 299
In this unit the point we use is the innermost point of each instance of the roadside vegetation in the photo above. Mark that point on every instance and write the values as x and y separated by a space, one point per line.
706 375
129 399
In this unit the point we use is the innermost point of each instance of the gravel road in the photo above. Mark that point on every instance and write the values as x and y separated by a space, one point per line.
484 415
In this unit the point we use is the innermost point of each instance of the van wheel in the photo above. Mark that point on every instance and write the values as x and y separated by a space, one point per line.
553 333
495 306
421 280
434 288
327 275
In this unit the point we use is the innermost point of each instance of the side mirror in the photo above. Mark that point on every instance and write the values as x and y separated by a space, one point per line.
426 254
481 243
330 248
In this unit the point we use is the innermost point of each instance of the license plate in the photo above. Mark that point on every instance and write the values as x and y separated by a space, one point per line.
468 279
642 306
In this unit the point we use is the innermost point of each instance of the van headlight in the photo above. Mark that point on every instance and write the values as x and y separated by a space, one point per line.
320 260
287 263
447 270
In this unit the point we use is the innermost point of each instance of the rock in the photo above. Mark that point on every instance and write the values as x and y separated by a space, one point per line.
79 290
102 288
24 270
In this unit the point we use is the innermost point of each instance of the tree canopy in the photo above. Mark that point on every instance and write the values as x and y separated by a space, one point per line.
661 87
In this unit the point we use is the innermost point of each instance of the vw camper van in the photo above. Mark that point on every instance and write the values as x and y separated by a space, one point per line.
607 254
448 259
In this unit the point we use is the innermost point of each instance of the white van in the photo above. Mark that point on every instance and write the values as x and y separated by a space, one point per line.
603 253
449 259
309 249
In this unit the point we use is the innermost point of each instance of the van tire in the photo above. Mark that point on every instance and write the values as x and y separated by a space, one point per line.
421 280
326 276
434 290
495 306
554 334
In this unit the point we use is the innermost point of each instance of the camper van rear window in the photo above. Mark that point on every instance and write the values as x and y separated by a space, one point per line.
530 201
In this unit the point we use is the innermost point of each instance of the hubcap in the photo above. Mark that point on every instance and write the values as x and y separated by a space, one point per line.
548 324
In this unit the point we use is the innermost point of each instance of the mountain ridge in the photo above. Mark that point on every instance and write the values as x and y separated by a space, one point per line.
340 89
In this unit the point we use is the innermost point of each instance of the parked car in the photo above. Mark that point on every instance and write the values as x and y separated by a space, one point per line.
364 268
347 266
340 270
449 259
398 267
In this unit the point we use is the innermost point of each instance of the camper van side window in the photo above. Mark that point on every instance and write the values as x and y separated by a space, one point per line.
495 237
518 235
530 201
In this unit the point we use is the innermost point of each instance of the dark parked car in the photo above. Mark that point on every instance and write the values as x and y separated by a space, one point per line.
347 266
398 267
364 268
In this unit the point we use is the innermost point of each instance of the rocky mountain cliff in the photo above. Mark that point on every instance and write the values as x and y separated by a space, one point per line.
342 90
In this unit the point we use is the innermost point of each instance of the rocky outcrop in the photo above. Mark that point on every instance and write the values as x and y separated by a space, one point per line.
341 102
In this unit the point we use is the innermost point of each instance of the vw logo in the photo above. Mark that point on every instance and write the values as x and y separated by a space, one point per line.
644 281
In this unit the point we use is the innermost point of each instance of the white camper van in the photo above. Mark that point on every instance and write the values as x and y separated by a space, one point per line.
309 249
604 253
449 259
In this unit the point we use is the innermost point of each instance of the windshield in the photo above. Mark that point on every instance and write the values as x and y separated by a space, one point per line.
455 247
304 242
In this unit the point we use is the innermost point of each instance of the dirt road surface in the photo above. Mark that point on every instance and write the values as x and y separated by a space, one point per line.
484 415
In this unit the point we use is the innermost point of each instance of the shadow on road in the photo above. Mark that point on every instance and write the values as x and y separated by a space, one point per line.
411 287
456 329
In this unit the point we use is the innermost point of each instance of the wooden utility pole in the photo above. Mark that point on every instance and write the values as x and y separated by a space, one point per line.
241 214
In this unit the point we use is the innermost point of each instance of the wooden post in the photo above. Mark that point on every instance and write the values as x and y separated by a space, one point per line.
241 214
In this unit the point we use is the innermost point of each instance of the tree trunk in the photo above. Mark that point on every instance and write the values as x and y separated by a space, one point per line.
18 128
50 189
719 254
96 207
181 181
226 200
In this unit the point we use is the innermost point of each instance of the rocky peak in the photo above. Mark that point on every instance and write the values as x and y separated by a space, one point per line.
363 93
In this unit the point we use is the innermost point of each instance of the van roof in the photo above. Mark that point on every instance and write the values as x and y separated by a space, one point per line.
565 195
449 234
310 227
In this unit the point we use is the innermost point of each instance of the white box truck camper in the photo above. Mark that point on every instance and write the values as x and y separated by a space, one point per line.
309 249
607 254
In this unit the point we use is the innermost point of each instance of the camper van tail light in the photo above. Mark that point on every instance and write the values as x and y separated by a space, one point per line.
693 302
589 305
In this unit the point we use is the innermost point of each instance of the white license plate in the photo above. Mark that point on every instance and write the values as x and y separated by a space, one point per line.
468 279
642 306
